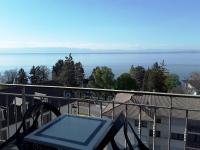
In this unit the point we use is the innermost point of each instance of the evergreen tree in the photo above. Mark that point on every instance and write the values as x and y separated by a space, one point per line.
57 69
137 73
39 74
79 74
67 75
154 79
68 72
22 77
33 77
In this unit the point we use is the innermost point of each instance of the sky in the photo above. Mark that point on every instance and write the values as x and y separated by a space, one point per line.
100 24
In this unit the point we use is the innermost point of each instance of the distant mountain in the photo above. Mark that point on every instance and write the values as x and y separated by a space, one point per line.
95 51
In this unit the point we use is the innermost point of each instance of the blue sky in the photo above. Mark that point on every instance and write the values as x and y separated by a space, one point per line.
100 24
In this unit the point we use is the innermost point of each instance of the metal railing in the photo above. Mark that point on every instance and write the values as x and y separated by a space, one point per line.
105 97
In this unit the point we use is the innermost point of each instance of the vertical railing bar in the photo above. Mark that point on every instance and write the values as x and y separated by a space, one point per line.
78 106
59 104
154 128
15 113
68 99
101 109
89 108
8 116
139 122
113 106
41 112
126 117
185 132
169 132
23 100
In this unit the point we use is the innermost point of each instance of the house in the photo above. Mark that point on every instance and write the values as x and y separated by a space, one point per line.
192 86
178 119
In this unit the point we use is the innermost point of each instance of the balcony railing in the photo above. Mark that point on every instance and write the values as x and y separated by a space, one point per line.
162 119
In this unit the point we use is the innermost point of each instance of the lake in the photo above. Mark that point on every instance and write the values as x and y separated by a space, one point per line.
180 63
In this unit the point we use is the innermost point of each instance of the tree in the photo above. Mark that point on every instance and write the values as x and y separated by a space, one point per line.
145 85
22 77
68 72
101 77
39 74
137 73
79 74
125 82
33 76
172 81
43 73
57 69
154 79
67 75
10 75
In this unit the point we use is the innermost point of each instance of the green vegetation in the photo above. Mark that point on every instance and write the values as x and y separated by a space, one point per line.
22 77
137 73
39 74
155 78
68 72
172 81
101 77
126 82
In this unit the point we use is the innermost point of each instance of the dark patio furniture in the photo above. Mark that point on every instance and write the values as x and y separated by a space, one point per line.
118 123
34 112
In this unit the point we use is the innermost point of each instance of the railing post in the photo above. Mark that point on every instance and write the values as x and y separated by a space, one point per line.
113 105
101 109
170 116
139 122
15 113
89 108
78 107
23 100
126 115
185 132
154 128
8 116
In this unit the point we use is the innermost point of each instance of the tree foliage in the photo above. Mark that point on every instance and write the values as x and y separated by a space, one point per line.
10 75
125 82
154 79
172 81
137 73
79 74
57 69
22 77
101 77
68 72
39 74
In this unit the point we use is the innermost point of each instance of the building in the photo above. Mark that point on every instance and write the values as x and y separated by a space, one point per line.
178 120
192 86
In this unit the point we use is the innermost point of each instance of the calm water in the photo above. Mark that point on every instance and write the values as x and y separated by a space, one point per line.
179 63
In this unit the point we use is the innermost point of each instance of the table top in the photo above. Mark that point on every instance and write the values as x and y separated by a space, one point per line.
72 132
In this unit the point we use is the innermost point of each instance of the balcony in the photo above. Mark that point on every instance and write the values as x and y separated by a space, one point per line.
162 120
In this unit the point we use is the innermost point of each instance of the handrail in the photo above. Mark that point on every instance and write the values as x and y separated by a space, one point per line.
101 101
105 90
